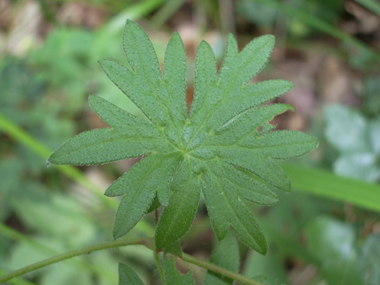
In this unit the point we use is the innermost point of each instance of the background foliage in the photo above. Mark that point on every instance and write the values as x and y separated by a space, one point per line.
326 231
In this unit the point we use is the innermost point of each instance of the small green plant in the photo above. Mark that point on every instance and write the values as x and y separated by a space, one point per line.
357 140
223 148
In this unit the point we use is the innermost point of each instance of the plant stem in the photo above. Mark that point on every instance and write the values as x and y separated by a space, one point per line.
156 256
159 266
148 242
18 281
112 244
12 234
215 268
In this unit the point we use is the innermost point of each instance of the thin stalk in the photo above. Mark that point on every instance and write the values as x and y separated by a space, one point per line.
18 281
156 256
159 266
215 268
112 244
167 10
12 234
148 242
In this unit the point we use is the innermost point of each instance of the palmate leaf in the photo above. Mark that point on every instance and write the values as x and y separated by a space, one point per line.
224 148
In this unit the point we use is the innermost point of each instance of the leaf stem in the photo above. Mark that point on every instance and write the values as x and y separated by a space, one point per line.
215 268
148 242
156 256
159 266
18 281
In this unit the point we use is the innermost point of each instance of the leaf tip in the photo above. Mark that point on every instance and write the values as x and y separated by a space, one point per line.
116 233
52 159
262 248
176 35
92 99
130 22
204 45
270 39
101 62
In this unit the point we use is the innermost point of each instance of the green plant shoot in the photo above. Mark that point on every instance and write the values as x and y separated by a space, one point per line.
223 148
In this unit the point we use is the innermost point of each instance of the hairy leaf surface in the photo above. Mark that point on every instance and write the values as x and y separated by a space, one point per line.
226 255
127 276
223 148
173 277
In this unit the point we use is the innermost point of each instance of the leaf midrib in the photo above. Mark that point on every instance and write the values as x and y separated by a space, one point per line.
83 147
254 148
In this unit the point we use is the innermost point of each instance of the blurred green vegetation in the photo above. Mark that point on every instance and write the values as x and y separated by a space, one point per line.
326 232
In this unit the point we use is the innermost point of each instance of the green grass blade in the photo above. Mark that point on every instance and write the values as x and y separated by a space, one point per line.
319 24
167 10
324 183
133 12
370 5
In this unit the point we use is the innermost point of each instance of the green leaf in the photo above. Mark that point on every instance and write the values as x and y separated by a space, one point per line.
333 244
173 277
361 165
130 137
226 255
155 205
174 248
374 134
226 208
150 176
370 253
345 129
177 218
224 148
127 276
357 141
